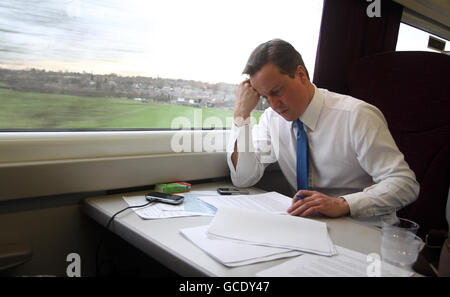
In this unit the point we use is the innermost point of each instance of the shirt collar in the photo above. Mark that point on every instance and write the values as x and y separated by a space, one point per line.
311 115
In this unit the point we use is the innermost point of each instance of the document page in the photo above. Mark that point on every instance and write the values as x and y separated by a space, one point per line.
190 207
346 263
266 202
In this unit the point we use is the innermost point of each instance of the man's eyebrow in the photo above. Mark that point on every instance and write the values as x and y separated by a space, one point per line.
275 89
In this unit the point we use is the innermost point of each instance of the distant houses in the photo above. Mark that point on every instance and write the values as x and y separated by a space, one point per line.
143 100
140 89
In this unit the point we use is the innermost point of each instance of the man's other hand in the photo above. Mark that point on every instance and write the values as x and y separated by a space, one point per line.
316 202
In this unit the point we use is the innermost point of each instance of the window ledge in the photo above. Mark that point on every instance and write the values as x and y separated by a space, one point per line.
44 163
29 147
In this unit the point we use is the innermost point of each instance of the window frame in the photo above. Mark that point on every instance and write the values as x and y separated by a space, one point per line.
428 17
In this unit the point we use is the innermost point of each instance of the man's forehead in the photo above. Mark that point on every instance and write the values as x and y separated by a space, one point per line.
267 78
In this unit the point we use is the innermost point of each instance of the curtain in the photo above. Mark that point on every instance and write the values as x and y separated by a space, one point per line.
347 33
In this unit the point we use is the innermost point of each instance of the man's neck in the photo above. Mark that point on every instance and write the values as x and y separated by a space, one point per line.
311 92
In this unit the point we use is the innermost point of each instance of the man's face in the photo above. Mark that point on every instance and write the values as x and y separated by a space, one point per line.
289 97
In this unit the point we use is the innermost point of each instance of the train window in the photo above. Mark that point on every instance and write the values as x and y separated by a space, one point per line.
114 64
413 39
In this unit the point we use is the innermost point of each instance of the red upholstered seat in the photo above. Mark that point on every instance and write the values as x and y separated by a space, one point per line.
412 89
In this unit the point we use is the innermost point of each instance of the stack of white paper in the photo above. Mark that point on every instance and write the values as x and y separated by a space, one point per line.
231 253
267 202
255 228
274 230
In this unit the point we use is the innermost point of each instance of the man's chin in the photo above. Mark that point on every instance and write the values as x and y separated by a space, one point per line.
285 115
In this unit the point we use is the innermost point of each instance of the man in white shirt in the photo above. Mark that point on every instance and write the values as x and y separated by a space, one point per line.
354 166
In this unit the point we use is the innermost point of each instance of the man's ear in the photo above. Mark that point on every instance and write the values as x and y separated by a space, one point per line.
301 72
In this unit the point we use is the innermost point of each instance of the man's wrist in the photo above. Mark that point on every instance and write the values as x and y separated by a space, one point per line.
240 121
344 206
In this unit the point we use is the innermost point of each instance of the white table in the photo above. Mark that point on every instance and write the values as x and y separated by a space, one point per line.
161 240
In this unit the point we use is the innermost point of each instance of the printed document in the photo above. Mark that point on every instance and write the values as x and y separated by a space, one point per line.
346 263
190 207
267 202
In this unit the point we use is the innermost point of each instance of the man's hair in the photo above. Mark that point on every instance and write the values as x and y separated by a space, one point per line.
277 51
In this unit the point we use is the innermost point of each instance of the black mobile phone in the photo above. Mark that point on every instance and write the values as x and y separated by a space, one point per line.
164 198
232 191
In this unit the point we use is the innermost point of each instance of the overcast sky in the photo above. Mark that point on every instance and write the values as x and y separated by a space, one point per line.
410 38
207 40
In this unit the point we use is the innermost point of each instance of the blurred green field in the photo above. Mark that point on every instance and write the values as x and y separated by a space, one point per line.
29 110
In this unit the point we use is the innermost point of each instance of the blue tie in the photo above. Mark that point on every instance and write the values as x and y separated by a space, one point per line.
302 157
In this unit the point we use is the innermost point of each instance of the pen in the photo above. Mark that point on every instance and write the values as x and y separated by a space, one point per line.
300 197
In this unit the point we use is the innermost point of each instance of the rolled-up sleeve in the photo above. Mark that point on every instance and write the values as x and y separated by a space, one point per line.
249 140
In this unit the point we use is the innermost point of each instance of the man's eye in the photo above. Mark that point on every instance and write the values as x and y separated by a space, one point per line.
275 93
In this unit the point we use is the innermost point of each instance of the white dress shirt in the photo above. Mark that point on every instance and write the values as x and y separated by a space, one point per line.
351 154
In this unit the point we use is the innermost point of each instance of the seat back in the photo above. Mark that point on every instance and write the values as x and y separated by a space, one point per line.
412 90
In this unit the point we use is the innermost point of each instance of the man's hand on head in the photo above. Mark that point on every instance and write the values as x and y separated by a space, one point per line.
246 100
316 202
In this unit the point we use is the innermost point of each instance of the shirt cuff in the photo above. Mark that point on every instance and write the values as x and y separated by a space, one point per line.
234 133
363 205
239 121
356 202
